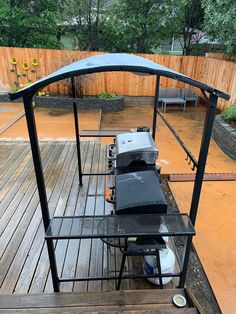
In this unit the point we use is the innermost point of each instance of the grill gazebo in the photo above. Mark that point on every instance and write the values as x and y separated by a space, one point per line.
128 63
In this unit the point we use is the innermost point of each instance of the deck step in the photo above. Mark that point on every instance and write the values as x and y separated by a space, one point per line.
116 310
126 301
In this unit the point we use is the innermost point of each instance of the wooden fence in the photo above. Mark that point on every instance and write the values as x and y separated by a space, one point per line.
217 73
221 56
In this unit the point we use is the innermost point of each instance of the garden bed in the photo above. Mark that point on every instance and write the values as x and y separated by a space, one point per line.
225 136
5 98
57 101
113 104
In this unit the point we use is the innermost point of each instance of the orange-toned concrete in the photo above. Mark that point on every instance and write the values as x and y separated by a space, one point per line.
53 124
8 111
216 236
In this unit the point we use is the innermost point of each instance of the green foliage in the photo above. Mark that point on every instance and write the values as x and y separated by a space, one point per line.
16 89
229 114
187 22
83 19
117 25
29 23
136 26
220 22
107 96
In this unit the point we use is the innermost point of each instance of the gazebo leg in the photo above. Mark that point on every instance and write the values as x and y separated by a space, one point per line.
30 119
77 131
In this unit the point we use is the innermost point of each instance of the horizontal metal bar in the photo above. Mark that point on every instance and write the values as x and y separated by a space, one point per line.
185 148
107 216
141 276
102 133
123 236
97 173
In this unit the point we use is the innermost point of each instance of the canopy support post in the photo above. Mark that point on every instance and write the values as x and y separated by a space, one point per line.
77 131
206 137
154 122
30 119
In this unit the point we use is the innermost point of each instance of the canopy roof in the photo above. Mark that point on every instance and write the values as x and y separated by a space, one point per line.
113 62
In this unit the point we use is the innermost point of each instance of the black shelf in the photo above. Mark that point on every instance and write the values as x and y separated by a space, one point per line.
119 226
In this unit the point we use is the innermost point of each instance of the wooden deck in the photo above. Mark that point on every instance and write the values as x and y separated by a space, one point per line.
24 266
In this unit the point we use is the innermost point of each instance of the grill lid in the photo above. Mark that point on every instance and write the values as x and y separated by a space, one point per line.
135 142
139 192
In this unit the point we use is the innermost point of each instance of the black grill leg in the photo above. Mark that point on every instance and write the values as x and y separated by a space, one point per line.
122 266
159 269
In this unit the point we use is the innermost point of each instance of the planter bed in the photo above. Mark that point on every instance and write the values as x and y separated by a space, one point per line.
84 103
113 104
225 136
5 98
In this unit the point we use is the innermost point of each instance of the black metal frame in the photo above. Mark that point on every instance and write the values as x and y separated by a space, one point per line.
151 249
199 164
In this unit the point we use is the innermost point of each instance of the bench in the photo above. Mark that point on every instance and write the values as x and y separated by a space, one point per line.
171 96
189 95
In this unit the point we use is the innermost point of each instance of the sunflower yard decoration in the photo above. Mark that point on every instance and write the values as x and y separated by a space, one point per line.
14 70
13 60
26 67
35 64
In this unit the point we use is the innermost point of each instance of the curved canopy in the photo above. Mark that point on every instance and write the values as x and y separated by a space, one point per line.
113 62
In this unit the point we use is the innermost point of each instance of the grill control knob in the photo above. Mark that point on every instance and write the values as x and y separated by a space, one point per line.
143 129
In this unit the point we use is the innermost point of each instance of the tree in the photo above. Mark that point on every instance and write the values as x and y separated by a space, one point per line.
82 19
136 26
29 23
187 21
220 22
193 20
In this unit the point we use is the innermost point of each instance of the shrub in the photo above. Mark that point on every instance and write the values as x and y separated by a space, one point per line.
229 114
107 96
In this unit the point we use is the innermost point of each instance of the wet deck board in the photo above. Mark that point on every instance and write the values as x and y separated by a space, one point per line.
24 266
139 301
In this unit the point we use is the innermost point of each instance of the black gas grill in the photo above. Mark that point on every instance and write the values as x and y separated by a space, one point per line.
137 187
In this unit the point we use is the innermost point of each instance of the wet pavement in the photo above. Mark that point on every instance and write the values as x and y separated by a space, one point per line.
52 124
8 111
216 233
